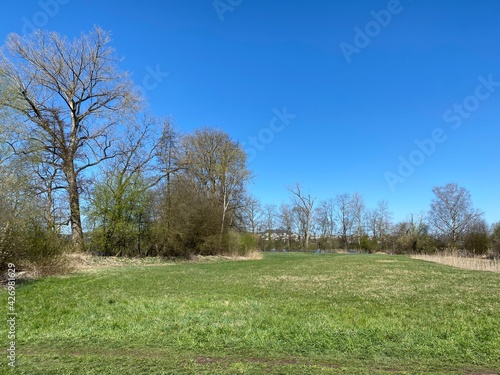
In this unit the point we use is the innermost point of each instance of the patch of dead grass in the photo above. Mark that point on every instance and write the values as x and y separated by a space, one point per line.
254 255
478 264
88 262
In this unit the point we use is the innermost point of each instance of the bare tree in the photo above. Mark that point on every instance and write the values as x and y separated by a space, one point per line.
287 219
252 213
358 208
148 149
344 215
48 183
325 217
304 205
384 220
452 212
379 222
269 221
72 96
44 178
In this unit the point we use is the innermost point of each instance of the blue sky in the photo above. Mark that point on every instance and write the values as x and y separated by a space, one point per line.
334 95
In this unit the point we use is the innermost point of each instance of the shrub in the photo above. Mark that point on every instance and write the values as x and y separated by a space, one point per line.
369 244
33 249
495 240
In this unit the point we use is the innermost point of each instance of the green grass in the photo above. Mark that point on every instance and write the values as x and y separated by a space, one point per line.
285 314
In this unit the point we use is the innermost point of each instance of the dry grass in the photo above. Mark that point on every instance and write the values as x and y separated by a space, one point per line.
87 262
478 264
253 255
82 262
58 265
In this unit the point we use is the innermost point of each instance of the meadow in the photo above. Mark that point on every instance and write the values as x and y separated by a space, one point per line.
288 313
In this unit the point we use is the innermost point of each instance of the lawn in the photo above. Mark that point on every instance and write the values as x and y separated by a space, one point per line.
285 314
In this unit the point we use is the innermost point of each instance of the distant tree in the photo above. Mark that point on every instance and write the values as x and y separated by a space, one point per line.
269 222
379 222
325 222
252 214
358 211
344 216
325 216
71 96
304 205
287 220
452 213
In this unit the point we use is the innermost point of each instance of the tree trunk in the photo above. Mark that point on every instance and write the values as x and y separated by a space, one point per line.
51 222
306 242
222 225
74 206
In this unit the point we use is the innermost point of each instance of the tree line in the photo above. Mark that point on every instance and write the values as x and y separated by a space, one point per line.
79 149
451 223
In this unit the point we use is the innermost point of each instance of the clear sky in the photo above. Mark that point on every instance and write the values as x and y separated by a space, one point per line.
384 98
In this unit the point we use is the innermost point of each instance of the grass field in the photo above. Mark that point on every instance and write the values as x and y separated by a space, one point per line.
285 314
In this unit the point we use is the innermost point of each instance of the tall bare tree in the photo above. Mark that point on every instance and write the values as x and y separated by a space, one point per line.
452 212
304 205
287 219
72 97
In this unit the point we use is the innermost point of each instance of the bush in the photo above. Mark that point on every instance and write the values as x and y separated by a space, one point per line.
248 243
33 249
368 244
422 244
233 243
477 243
